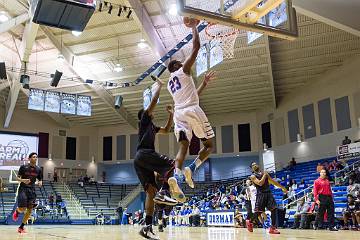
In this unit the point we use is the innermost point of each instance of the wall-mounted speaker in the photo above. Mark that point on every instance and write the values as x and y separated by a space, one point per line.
25 81
56 78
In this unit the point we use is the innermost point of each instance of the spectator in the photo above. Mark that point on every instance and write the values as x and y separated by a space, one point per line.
324 198
352 211
92 180
58 199
86 179
353 188
55 176
300 215
125 219
310 215
292 164
294 185
319 167
119 212
302 184
239 219
81 182
51 200
100 219
346 141
195 217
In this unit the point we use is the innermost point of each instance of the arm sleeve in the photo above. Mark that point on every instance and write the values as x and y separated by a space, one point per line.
21 172
316 194
40 175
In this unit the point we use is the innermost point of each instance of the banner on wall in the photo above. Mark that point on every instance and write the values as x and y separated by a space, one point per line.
220 218
15 148
348 151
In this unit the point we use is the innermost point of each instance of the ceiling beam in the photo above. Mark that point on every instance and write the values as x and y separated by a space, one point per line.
100 91
143 20
6 26
270 71
25 48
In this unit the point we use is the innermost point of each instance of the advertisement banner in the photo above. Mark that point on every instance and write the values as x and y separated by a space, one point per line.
15 148
220 218
348 151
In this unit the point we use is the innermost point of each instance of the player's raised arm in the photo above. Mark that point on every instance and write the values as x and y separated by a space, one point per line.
155 98
208 77
192 58
275 183
167 127
257 181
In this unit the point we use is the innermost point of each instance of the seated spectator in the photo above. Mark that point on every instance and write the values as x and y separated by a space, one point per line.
332 166
302 184
293 184
239 219
51 200
346 141
81 182
100 219
86 179
310 216
353 188
319 167
352 211
195 217
300 215
92 180
58 199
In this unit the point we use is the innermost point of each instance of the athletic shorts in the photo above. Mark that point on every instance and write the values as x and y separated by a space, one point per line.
192 119
264 200
26 197
146 162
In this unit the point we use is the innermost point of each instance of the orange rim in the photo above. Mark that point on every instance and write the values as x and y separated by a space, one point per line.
229 34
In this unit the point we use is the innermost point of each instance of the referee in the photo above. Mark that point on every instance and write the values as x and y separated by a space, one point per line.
324 199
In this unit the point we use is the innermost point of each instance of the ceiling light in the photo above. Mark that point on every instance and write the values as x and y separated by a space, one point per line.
173 10
299 138
76 33
3 16
142 44
118 68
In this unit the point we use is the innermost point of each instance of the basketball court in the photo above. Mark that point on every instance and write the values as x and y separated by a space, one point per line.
74 74
175 233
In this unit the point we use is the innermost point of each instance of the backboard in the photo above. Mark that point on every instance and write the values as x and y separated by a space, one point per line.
275 18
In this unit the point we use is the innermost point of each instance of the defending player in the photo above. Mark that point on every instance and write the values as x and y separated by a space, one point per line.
264 197
147 162
26 195
188 116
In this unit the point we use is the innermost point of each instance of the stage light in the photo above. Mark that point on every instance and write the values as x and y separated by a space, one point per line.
142 44
118 68
129 14
3 17
120 11
173 10
110 9
76 33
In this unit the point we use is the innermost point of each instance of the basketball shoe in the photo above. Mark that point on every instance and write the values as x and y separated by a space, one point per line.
148 233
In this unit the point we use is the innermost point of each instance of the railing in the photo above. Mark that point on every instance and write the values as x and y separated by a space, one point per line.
73 200
350 167
298 193
131 196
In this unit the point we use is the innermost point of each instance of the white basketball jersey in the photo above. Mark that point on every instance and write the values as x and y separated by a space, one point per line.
182 89
253 193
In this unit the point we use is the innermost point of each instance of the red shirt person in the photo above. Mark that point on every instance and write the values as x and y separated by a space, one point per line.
324 198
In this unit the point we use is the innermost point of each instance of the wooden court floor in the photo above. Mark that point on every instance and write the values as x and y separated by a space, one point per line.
68 232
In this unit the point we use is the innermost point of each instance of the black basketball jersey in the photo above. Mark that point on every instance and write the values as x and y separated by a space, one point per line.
30 172
265 188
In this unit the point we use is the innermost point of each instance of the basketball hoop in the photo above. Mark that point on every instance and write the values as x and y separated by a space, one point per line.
226 36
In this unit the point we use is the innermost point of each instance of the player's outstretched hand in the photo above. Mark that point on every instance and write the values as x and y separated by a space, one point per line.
169 109
209 76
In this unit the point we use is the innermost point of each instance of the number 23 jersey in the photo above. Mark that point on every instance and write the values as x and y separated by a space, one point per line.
183 90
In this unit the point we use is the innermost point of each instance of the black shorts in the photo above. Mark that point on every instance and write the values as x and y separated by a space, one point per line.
147 162
264 200
26 197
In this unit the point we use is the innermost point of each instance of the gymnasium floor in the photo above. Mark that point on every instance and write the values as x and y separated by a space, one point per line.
179 233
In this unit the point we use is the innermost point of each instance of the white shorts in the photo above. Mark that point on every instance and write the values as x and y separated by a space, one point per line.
192 119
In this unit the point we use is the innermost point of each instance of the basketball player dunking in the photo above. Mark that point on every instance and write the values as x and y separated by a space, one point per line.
26 195
188 116
264 197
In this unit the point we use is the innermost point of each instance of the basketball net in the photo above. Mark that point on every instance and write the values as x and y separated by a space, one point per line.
226 36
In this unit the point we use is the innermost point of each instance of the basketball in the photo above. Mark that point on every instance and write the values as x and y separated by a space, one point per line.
191 22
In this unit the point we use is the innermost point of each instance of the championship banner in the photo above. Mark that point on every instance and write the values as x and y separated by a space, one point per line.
348 151
220 218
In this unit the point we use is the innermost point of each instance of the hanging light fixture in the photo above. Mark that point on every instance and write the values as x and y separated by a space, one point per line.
142 44
173 10
3 17
118 67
